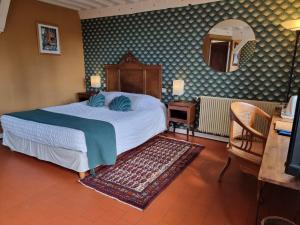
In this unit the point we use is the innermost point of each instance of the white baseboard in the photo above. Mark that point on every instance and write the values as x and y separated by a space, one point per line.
203 135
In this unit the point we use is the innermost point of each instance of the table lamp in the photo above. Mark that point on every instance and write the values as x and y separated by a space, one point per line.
95 81
293 25
178 87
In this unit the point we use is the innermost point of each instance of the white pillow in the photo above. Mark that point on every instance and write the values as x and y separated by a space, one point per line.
109 96
138 101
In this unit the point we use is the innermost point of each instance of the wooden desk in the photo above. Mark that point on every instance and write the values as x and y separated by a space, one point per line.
273 164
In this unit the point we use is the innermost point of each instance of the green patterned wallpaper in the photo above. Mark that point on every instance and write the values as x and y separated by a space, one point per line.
173 38
247 52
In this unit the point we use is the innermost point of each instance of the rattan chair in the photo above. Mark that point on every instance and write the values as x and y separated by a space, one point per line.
246 144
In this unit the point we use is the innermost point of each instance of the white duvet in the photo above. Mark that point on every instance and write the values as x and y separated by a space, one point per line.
132 128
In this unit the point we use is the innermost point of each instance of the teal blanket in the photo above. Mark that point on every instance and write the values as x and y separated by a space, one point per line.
100 136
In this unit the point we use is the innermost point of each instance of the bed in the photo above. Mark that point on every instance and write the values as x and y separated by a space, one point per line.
67 147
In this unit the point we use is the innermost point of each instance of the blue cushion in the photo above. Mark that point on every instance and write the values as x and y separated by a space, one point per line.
96 100
121 103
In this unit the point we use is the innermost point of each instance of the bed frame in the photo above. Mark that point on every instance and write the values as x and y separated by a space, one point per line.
134 77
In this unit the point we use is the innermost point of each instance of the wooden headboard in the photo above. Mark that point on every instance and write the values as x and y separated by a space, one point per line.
134 77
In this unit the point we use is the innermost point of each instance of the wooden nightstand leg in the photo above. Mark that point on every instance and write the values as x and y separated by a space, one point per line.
187 132
193 130
174 127
82 175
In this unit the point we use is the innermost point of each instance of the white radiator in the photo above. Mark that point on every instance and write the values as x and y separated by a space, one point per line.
214 114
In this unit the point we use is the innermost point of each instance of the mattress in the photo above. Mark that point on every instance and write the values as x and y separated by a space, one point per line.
132 128
73 160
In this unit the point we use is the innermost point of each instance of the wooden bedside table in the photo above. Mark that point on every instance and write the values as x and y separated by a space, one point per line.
184 113
83 96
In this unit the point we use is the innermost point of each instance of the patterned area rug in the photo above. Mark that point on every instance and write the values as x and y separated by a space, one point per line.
140 174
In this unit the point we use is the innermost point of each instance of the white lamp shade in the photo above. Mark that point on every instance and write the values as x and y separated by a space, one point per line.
95 81
292 24
178 87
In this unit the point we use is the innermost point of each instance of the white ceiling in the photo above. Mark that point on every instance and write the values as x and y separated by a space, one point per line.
89 4
101 8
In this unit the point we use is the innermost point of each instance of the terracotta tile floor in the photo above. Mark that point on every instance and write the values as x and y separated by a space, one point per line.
33 192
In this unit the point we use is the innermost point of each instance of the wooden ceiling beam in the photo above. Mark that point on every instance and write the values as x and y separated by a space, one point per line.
106 2
98 3
89 3
53 2
76 3
137 7
119 1
102 8
132 1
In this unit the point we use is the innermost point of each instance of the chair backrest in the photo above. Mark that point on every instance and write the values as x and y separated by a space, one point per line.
242 132
243 112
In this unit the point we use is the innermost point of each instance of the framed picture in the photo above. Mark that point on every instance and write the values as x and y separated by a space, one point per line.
48 38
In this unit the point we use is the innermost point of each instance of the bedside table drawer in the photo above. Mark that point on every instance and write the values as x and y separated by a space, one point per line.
178 114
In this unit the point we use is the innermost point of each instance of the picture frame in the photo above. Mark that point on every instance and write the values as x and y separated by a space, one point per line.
48 39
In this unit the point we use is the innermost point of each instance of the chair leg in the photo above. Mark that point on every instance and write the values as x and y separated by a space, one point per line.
224 169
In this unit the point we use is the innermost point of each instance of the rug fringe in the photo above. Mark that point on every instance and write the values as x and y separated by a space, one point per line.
175 139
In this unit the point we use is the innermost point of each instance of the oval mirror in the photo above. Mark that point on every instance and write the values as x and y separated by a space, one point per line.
228 45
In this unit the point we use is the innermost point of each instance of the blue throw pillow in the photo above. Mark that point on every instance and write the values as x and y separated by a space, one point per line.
121 103
96 100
